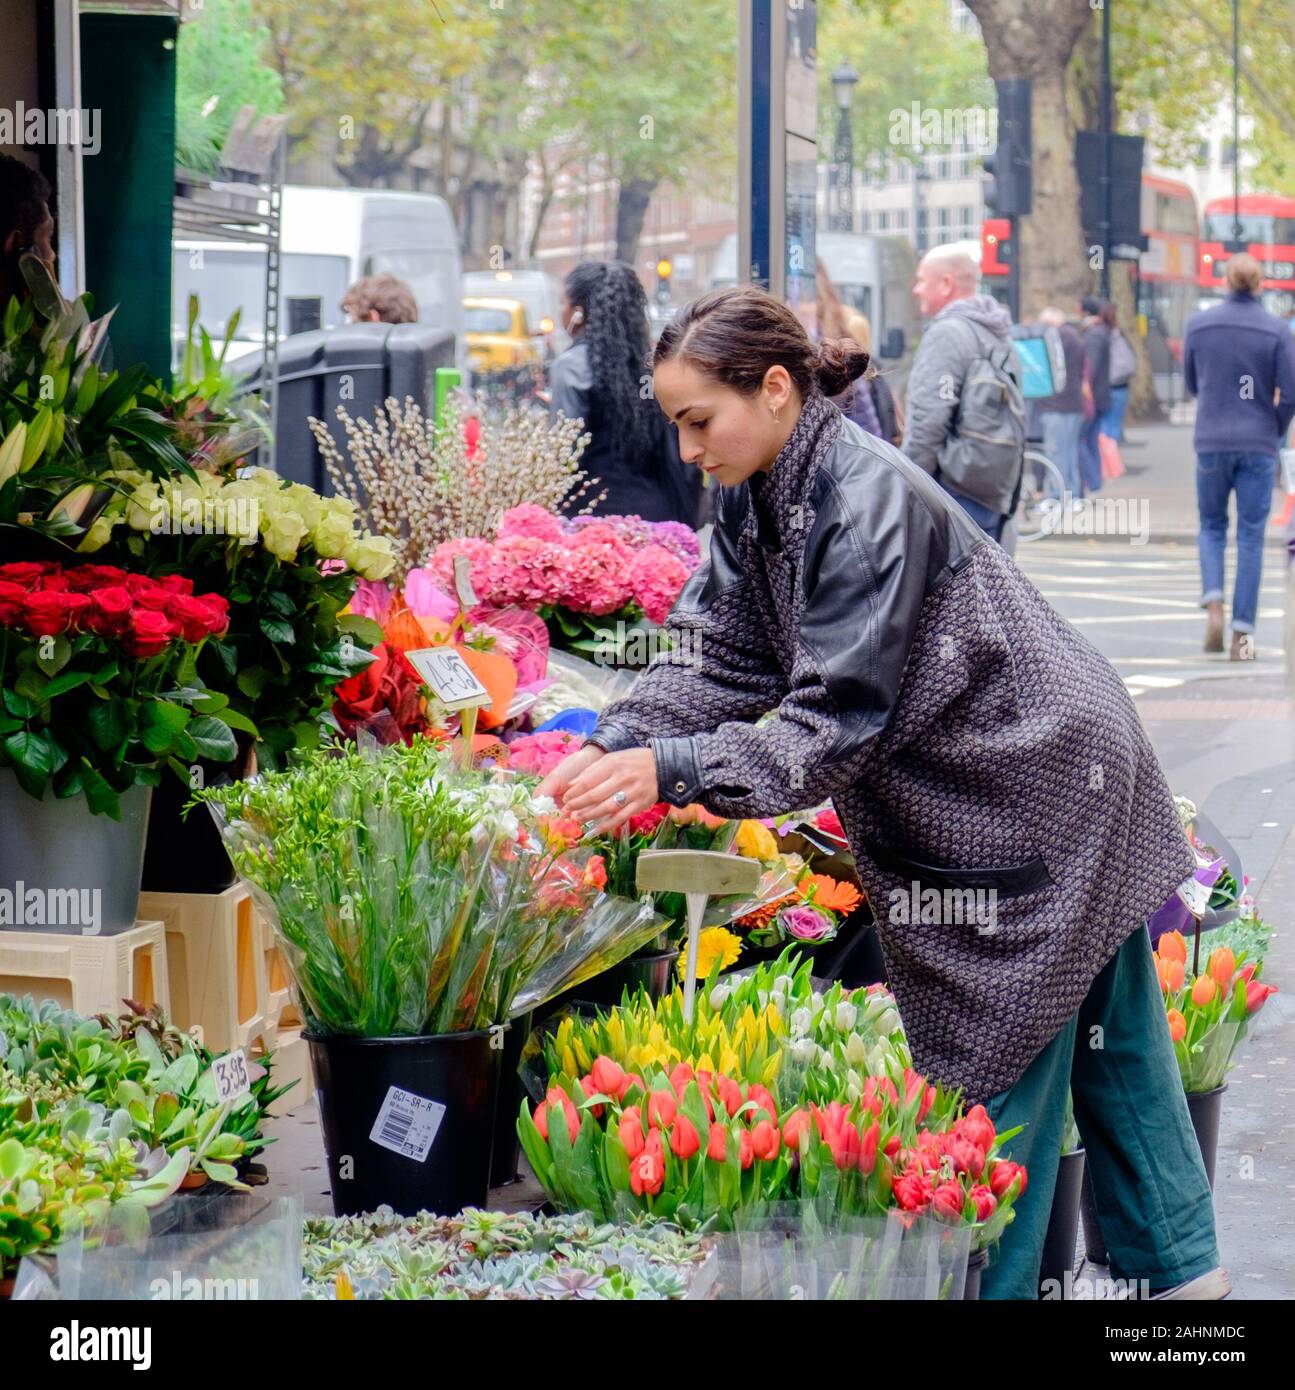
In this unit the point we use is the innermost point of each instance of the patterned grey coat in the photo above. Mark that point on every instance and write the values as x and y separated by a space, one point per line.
968 736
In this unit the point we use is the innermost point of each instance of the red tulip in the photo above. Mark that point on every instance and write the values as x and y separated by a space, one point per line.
590 1090
765 1141
684 1142
631 1131
730 1093
653 1145
946 1201
1248 971
868 1149
846 1147
681 1076
831 1121
967 1157
607 1076
745 1152
797 1123
763 1099
661 1109
913 1191
1256 994
647 1173
892 1149
985 1202
1004 1174
556 1096
717 1144
978 1127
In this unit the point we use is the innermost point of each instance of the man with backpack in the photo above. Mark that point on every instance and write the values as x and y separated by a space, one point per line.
1123 368
966 417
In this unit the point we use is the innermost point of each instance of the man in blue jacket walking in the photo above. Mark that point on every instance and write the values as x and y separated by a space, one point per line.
1239 362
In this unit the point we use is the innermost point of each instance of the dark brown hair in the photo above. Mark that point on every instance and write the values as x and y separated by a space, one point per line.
735 335
391 297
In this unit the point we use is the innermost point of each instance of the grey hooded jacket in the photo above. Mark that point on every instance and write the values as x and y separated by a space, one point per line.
945 354
973 742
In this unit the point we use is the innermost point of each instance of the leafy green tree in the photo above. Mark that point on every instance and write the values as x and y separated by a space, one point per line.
222 64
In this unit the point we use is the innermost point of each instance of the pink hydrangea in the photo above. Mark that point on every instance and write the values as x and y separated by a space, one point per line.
541 753
523 570
597 579
534 521
656 577
679 540
441 563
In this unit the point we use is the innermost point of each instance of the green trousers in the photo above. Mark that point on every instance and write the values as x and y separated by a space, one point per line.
1152 1197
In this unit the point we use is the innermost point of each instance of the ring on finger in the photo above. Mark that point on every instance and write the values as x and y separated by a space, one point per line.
620 798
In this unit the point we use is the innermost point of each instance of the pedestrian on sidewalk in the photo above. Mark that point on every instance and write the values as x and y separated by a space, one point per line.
968 737
868 401
965 418
601 379
380 299
1124 367
1097 354
1239 363
1061 415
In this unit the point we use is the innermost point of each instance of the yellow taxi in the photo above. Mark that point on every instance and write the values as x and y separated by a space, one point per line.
499 339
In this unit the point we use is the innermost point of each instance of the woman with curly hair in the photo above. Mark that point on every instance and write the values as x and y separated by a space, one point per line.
605 379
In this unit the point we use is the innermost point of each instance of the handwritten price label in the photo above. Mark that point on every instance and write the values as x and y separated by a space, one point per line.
231 1075
449 676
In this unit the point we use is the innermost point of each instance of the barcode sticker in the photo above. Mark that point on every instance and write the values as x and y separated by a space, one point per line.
407 1124
231 1075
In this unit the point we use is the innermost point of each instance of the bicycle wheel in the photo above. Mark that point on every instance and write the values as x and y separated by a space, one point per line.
1043 491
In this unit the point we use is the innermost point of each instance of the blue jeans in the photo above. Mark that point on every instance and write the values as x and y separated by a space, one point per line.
989 521
1113 419
1061 444
1251 477
1090 455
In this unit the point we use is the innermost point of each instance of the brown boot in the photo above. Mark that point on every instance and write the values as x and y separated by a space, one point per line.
1243 646
1214 625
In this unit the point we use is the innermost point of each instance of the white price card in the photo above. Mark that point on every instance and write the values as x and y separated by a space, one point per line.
1196 895
231 1075
463 590
407 1124
450 677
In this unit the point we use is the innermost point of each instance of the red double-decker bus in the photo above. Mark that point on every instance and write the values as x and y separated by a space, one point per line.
1267 226
1167 269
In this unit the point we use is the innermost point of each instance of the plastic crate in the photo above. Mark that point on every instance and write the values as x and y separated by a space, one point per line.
281 1011
91 974
218 984
291 1063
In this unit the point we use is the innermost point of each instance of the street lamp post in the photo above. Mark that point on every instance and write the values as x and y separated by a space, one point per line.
920 176
844 78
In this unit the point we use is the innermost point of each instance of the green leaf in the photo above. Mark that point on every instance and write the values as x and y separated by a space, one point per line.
19 705
69 680
9 724
99 795
211 703
235 720
359 626
33 760
278 630
225 653
251 682
31 685
213 738
52 665
163 722
108 724
106 672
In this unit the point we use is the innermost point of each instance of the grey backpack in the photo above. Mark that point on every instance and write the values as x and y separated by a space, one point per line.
985 451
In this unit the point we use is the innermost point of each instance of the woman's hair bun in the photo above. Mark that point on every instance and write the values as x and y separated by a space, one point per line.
840 361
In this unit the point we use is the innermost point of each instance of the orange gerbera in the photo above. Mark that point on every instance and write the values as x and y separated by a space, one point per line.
834 894
762 916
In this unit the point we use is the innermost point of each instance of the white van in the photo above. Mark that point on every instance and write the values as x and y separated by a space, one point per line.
329 238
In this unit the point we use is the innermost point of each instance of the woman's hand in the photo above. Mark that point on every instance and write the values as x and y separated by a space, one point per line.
605 794
566 772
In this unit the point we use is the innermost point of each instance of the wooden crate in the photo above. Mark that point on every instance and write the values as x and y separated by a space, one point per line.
291 1063
219 987
91 974
281 1011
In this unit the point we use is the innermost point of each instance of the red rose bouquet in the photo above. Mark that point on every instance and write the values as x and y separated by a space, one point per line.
98 679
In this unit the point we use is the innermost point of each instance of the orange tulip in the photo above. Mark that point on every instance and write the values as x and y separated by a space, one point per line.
1203 991
1173 946
1222 965
1172 974
1177 1026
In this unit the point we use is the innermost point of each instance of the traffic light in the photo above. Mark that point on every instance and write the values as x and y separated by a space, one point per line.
1009 192
663 272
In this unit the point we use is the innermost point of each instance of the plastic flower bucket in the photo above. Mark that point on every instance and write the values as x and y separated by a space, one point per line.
1063 1222
655 973
1206 1109
377 1138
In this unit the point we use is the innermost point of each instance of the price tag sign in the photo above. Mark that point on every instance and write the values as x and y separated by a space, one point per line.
463 589
407 1124
233 1080
1196 895
450 677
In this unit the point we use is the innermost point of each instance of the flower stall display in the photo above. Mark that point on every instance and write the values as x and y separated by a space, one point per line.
502 1255
100 1113
591 578
1208 1013
414 899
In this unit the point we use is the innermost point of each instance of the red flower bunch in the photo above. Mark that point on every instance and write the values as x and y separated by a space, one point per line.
384 698
145 615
